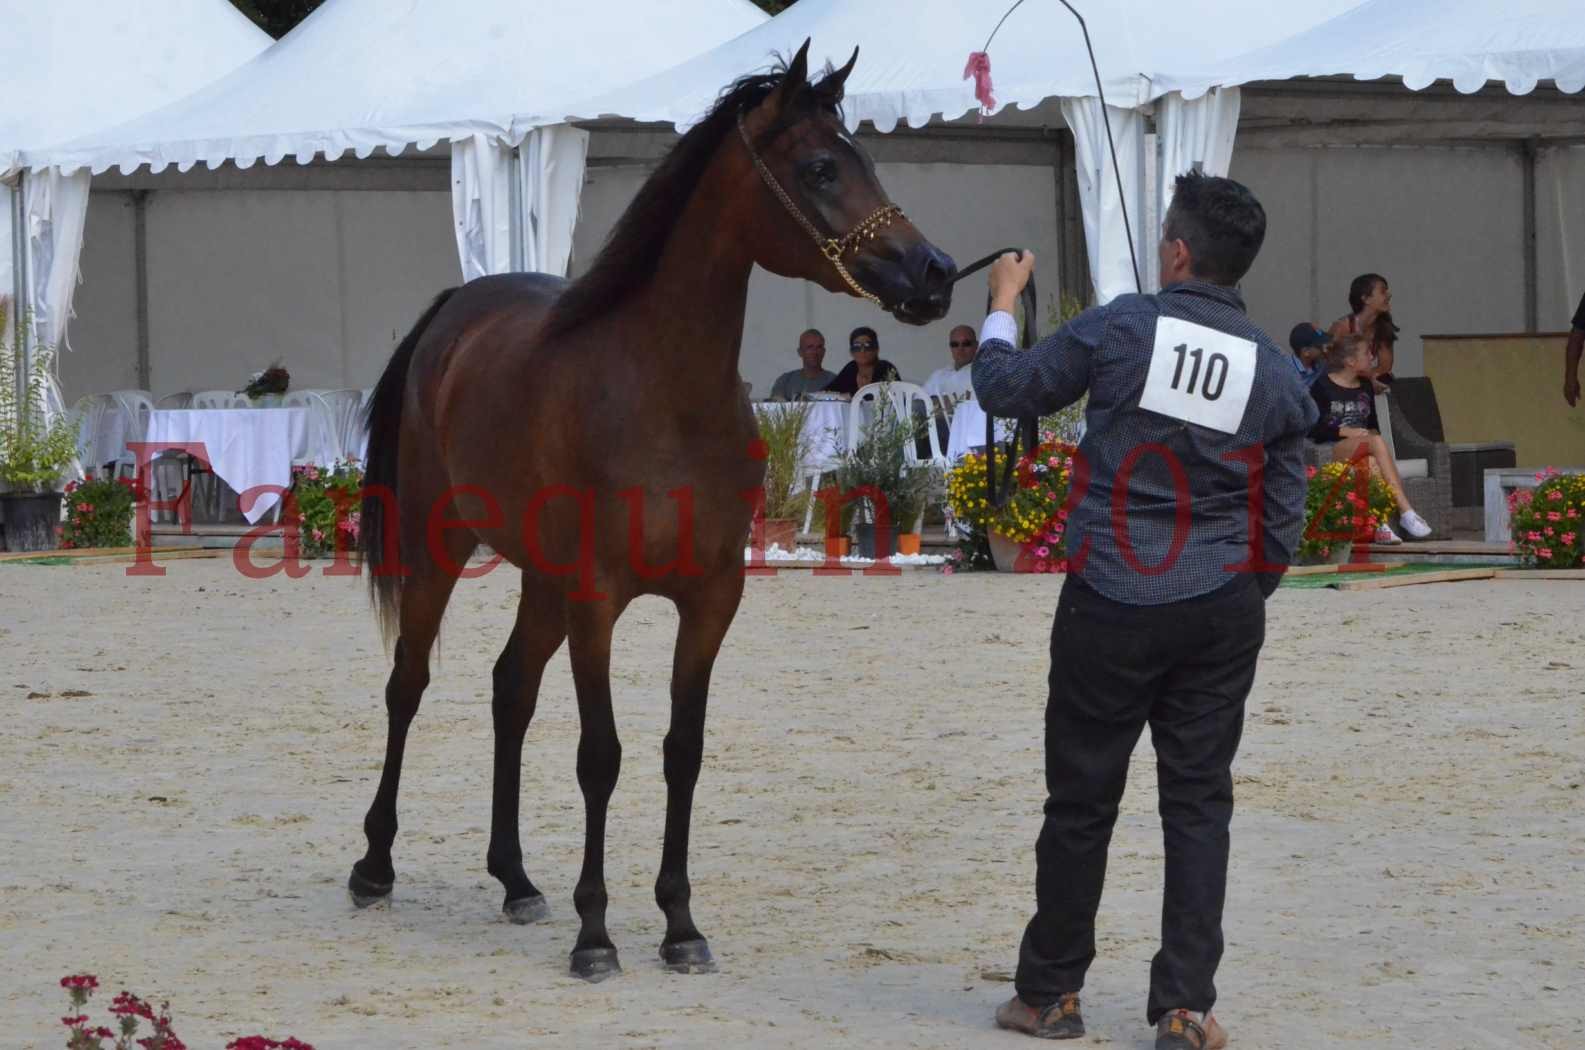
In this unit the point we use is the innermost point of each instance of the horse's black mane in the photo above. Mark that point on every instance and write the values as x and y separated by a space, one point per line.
633 250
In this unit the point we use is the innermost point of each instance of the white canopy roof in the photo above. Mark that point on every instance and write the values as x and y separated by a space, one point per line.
357 75
913 53
74 66
1470 42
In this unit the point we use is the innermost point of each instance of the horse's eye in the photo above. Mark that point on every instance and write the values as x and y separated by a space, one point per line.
820 173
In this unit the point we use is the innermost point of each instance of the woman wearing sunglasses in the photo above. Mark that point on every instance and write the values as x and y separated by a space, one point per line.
866 367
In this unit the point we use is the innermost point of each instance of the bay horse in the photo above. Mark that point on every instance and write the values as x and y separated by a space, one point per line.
595 435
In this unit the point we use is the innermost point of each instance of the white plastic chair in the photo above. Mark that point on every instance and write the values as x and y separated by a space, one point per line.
207 400
334 426
904 397
94 410
175 402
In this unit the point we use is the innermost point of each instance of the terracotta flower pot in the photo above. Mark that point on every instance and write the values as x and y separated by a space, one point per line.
1004 551
908 543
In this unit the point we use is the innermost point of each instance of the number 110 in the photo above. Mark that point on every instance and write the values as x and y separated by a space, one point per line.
1212 374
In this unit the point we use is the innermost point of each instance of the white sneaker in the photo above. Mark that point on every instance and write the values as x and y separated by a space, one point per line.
1386 535
1414 525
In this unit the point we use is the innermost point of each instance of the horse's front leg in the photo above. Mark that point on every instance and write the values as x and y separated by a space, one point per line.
594 957
705 618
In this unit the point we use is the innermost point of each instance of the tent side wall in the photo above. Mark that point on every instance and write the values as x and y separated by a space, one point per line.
971 191
1428 188
324 267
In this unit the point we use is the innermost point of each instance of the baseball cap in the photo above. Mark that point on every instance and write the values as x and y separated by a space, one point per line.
1306 335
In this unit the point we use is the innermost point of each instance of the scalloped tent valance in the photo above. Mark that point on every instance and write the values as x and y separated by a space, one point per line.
1519 44
362 75
77 66
912 54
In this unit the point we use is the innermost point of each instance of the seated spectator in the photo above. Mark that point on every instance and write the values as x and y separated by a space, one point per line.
1348 423
1309 345
866 366
792 386
1370 301
952 383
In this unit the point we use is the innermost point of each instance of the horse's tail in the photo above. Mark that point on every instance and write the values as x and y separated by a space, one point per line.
382 421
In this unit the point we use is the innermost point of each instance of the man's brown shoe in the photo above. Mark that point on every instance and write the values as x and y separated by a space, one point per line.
1178 1030
1060 1020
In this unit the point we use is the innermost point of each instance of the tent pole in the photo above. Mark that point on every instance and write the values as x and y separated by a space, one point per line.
21 301
140 263
1532 309
515 167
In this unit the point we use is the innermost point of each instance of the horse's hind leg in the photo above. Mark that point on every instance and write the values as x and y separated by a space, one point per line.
537 634
705 617
424 598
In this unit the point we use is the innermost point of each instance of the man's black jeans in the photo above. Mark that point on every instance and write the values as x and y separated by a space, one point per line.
1186 669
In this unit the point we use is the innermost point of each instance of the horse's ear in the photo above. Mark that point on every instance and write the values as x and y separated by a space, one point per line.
834 82
795 80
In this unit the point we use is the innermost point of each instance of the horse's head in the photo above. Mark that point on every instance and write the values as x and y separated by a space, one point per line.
819 211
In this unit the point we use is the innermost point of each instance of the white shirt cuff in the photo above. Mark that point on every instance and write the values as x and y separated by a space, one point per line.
999 324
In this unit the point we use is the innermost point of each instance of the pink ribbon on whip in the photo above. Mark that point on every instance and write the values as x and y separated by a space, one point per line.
979 67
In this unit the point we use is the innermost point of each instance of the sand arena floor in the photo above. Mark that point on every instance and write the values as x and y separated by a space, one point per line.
181 802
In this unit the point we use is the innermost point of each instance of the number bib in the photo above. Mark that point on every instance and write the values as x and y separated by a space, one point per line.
1199 375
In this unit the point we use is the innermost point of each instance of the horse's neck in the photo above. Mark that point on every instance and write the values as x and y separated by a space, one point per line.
690 315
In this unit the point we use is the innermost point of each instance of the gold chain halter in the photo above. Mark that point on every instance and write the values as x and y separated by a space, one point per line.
833 248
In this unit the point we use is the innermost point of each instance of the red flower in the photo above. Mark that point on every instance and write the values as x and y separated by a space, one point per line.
73 1022
128 1005
81 980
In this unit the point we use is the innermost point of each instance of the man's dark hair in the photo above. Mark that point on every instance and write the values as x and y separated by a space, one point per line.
864 331
1221 222
811 331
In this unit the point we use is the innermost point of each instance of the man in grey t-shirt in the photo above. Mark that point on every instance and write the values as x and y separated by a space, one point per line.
791 386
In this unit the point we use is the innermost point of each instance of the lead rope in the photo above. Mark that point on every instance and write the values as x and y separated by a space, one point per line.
1027 426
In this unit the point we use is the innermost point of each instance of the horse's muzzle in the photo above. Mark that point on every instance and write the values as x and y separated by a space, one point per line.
917 288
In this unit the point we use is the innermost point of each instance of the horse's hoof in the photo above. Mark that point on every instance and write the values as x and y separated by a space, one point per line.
525 910
688 957
595 964
366 891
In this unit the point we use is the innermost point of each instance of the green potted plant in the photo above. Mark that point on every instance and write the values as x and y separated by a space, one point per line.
1024 534
1548 521
35 453
878 464
1337 516
781 428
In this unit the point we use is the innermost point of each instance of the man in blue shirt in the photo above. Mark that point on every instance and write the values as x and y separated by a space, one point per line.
1309 345
1187 505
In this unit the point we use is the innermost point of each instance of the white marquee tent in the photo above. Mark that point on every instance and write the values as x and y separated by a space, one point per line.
1520 43
77 66
912 58
360 76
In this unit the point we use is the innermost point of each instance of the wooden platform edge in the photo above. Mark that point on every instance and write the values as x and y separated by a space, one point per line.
1541 574
1328 570
84 552
157 558
1452 576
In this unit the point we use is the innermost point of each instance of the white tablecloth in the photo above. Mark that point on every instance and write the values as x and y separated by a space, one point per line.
968 429
246 447
825 429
